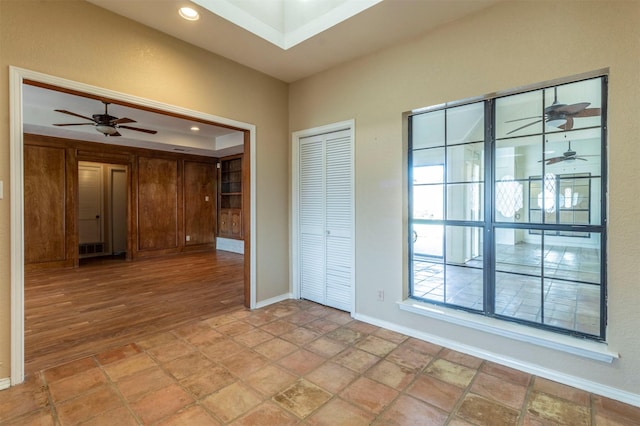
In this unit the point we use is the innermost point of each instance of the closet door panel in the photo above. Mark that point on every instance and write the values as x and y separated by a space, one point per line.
339 213
326 219
312 218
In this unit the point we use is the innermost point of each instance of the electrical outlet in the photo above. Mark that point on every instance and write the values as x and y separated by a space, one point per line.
188 237
380 295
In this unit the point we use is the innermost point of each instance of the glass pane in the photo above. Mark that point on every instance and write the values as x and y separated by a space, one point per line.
464 287
573 106
465 163
465 123
428 279
428 240
509 200
572 306
515 255
519 115
464 266
465 201
518 296
565 262
427 130
519 158
428 202
544 199
573 152
428 166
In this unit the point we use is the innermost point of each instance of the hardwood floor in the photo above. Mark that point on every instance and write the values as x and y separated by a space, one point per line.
74 313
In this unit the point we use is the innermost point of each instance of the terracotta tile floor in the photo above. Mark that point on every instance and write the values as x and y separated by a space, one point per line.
296 362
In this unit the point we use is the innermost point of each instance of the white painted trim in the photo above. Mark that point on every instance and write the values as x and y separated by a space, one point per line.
295 189
228 244
280 36
16 168
5 383
560 342
535 369
271 301
253 221
16 146
312 28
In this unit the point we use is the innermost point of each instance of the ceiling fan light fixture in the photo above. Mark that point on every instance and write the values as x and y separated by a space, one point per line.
557 122
189 13
106 129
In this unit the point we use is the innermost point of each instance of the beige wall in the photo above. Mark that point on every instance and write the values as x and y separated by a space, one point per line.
81 42
510 45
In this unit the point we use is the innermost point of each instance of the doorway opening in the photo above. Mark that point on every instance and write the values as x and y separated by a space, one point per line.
18 79
102 211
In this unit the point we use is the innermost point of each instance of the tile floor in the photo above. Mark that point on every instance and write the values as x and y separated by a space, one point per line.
295 362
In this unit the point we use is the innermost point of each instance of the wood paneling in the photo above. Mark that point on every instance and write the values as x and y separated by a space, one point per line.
199 202
157 202
106 303
158 214
45 211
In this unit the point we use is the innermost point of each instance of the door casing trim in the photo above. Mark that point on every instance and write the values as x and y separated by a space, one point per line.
16 146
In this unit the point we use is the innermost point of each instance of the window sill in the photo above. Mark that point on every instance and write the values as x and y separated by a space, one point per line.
584 348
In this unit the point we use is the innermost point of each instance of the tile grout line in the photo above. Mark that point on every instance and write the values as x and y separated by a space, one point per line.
525 404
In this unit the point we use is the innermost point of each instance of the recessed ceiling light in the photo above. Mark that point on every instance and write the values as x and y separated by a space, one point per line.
195 128
189 14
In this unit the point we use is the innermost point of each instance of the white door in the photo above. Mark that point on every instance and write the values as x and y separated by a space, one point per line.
325 218
90 203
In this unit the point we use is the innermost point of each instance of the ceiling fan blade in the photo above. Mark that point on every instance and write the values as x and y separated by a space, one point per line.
115 134
153 132
568 125
525 118
522 127
589 112
75 124
579 158
123 121
74 114
573 108
555 160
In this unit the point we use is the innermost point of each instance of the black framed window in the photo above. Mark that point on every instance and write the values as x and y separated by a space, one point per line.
507 206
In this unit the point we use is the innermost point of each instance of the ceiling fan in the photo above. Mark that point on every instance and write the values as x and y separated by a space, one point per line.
559 115
568 155
104 123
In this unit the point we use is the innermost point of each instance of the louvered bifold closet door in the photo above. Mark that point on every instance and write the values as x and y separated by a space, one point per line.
339 213
312 219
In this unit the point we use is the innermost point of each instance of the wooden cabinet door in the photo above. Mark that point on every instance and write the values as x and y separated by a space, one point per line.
225 222
236 223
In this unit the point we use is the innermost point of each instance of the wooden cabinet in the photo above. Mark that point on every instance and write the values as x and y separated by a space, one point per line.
230 193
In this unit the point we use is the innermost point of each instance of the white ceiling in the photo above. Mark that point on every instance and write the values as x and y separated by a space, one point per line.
174 134
286 39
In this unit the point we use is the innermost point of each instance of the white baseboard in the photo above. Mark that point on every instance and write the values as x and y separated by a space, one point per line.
5 383
557 376
228 244
273 300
